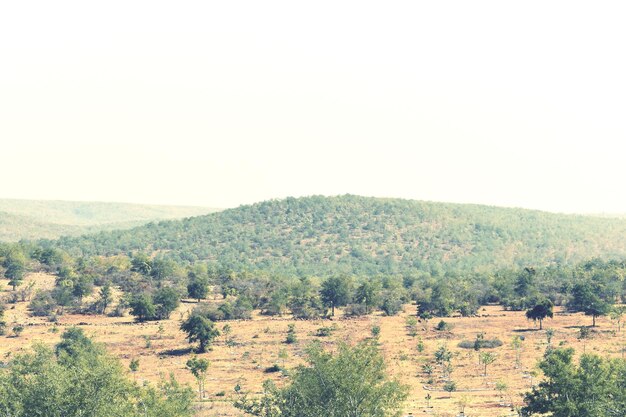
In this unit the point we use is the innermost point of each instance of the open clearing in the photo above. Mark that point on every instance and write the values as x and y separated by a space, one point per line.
254 345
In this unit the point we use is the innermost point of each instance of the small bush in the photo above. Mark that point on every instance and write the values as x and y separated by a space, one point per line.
443 326
324 331
291 334
355 310
375 331
480 344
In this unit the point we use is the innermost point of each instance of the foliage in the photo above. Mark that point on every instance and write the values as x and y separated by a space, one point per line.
593 387
359 236
350 383
540 311
91 384
200 329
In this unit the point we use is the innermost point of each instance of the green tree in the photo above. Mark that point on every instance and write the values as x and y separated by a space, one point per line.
166 300
368 294
593 388
91 384
540 311
335 292
350 383
199 368
198 288
200 329
141 263
142 307
486 358
106 297
15 266
585 298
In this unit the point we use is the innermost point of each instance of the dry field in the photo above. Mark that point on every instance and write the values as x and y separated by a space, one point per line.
255 345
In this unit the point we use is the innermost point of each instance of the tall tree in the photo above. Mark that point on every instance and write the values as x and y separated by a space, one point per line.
15 264
335 292
585 298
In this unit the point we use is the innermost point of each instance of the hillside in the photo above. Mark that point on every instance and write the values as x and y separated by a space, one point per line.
37 219
359 235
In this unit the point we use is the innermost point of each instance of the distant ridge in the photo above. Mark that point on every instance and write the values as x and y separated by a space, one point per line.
321 236
37 219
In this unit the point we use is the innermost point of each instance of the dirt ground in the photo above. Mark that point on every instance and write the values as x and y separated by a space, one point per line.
254 345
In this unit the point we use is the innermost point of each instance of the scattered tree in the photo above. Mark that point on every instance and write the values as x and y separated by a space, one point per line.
540 311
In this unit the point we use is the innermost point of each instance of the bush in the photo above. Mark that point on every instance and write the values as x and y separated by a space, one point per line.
324 331
89 382
356 373
480 344
355 310
443 326
43 304
291 334
391 306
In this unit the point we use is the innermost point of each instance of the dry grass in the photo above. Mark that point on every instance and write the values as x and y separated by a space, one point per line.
258 342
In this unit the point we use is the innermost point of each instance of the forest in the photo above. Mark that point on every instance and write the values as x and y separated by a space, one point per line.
324 236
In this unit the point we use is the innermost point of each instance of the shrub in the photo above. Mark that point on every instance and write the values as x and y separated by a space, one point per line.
291 334
43 304
324 331
480 344
391 306
355 310
443 326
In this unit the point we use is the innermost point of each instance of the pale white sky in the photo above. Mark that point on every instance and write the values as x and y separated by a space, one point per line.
220 103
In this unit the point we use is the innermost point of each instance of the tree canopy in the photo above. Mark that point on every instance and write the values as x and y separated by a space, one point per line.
349 383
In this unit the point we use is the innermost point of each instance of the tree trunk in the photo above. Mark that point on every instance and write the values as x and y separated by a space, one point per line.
540 324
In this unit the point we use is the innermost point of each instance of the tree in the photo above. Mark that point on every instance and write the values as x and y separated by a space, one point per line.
15 264
486 358
525 282
141 263
142 307
199 368
89 383
335 292
368 294
585 298
200 329
594 387
617 315
350 383
166 300
73 343
198 288
540 311
106 296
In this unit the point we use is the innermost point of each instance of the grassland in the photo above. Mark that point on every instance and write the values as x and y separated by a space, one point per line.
39 219
241 357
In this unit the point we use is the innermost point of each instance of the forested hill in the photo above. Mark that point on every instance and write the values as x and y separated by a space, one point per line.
360 235
43 219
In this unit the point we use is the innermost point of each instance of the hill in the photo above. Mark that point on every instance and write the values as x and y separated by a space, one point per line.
37 219
365 236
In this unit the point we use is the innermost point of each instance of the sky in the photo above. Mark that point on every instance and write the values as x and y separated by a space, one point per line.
222 103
